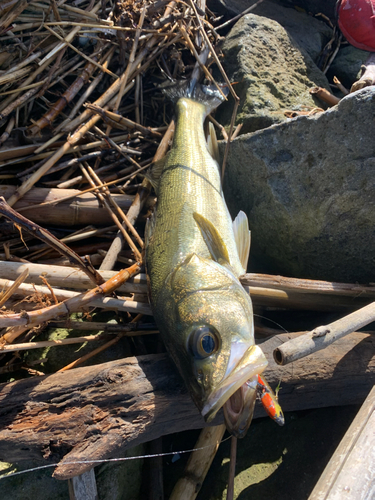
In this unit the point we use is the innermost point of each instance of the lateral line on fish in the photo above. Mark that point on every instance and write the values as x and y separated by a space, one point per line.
190 169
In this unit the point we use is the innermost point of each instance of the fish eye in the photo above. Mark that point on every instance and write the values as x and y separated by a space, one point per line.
204 341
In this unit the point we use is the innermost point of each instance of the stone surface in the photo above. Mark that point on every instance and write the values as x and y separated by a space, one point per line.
229 8
122 480
273 73
308 188
347 65
310 33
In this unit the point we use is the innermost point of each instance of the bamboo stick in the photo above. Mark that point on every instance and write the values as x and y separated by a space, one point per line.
41 344
322 336
26 289
75 209
324 95
65 276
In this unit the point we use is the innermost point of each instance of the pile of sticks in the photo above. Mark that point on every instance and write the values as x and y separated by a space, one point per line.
81 119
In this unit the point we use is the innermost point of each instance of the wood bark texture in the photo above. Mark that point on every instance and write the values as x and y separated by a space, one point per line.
99 411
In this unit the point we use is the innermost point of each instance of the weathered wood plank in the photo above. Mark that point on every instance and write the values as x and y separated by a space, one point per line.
350 474
83 487
99 411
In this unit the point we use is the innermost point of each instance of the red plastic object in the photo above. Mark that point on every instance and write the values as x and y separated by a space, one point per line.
357 23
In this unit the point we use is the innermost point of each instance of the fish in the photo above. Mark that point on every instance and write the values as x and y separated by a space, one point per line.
195 255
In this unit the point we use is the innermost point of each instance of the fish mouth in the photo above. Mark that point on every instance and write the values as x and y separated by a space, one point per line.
239 408
253 362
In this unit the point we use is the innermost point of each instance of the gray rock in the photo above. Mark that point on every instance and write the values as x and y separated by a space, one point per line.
308 189
31 485
122 480
310 33
273 73
347 65
313 7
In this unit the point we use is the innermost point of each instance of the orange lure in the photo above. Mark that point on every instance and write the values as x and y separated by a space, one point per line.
269 401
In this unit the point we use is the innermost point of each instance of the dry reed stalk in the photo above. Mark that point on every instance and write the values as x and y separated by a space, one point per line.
29 183
65 276
102 348
113 216
118 121
9 104
306 286
118 208
340 86
64 100
68 38
89 59
89 190
41 344
131 60
232 468
236 18
33 318
25 346
14 10
14 76
324 95
50 239
107 59
8 129
71 207
6 294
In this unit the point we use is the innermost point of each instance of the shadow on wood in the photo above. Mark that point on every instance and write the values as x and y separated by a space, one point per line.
98 412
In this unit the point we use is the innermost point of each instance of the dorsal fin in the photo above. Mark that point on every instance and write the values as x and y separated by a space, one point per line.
242 236
212 238
212 144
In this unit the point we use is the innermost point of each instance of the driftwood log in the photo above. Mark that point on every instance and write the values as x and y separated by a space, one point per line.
99 411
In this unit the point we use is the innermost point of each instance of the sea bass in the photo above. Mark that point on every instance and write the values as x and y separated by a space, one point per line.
193 263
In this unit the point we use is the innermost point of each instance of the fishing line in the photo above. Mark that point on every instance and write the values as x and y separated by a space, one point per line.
106 460
272 321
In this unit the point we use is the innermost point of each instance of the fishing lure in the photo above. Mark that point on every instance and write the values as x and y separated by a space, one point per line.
269 401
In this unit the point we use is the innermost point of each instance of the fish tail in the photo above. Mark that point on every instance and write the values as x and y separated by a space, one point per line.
208 95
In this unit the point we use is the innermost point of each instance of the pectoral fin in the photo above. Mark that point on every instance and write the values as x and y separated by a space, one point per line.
212 144
212 238
242 236
150 226
154 173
